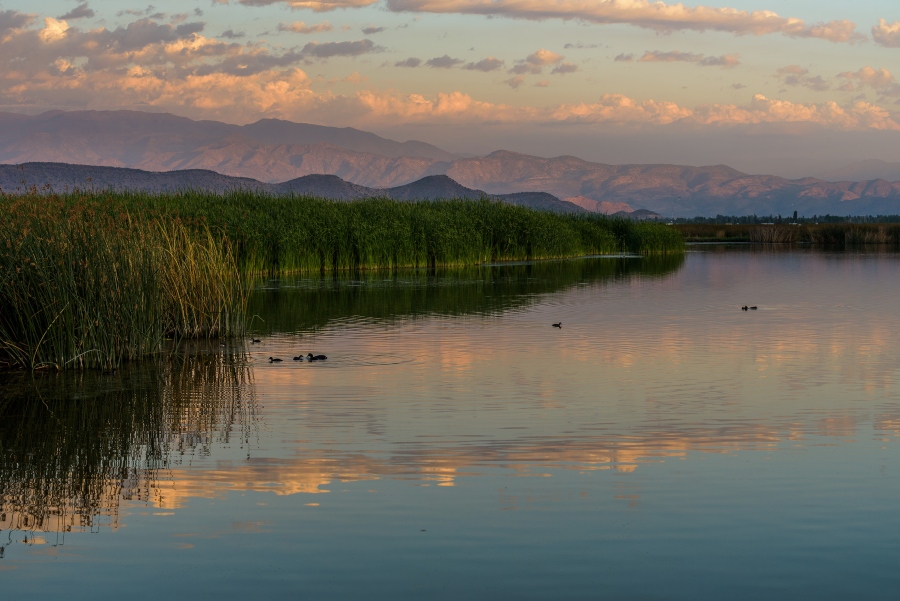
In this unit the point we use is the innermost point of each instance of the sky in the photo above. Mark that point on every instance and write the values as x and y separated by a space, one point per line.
787 86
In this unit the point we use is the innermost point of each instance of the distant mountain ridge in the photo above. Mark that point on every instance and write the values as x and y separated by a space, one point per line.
274 151
61 177
864 170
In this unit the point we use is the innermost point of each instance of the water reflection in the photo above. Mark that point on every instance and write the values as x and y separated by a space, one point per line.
310 303
73 446
663 434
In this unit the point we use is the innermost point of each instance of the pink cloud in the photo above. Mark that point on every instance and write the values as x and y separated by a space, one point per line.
655 15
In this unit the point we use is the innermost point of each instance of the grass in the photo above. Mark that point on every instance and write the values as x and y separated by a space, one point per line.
91 280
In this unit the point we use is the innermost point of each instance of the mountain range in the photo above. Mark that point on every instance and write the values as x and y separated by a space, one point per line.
274 152
864 170
61 177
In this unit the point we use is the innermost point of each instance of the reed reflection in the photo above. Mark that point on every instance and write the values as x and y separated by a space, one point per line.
73 446
312 303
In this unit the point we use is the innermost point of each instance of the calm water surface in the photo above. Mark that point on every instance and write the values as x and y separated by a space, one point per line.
663 444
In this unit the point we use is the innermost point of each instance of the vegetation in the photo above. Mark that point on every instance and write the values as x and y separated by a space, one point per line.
834 234
779 220
90 280
298 234
82 286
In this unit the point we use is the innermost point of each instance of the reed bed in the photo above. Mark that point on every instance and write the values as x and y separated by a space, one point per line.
82 287
91 280
301 234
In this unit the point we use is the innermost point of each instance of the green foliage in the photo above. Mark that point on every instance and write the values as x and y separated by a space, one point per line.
84 286
96 279
297 234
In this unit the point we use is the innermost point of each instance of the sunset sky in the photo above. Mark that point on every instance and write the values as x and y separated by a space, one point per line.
751 82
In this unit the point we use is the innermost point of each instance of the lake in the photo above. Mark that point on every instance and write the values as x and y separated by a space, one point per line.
661 444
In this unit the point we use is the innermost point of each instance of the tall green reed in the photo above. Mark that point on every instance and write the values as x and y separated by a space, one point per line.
296 234
89 280
84 286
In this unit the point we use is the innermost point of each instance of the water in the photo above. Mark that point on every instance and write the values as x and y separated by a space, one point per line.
663 444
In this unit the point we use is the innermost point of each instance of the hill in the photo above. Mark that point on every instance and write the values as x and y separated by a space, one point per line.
61 177
273 152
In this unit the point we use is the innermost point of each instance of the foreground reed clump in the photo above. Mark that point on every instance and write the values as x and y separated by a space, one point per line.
82 286
89 280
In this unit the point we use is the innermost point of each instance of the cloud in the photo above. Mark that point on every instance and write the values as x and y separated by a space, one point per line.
648 14
331 49
624 58
887 34
409 62
163 66
301 27
314 5
535 62
880 80
82 11
670 57
486 65
542 84
726 60
543 57
355 78
232 35
443 62
580 46
563 68
515 82
372 30
11 20
795 75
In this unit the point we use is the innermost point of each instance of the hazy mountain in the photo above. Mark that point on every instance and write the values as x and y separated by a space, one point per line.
278 131
326 186
864 170
675 189
279 151
433 187
640 214
161 141
59 177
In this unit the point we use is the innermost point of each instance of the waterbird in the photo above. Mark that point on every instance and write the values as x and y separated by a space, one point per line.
558 325
744 308
753 308
311 357
274 360
300 358
254 341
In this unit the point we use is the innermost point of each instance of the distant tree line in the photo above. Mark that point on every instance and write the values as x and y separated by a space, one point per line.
778 219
